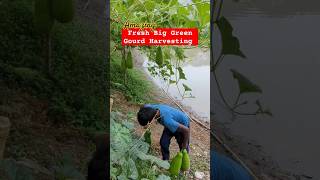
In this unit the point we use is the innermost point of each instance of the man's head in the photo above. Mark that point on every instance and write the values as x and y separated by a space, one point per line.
145 115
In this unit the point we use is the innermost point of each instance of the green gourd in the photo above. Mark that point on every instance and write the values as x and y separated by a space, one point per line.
147 136
123 64
42 16
175 164
63 10
185 161
159 56
129 61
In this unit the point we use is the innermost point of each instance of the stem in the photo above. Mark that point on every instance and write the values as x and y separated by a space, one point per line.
219 60
237 100
220 90
238 105
212 7
219 10
225 101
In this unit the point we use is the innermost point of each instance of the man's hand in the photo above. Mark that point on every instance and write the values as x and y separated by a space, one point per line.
185 134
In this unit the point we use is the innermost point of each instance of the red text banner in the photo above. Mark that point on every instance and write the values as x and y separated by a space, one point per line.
159 37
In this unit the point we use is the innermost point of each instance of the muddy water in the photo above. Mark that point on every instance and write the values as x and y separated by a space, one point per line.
281 40
197 72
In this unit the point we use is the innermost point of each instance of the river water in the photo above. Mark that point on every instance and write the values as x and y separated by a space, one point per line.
197 72
281 41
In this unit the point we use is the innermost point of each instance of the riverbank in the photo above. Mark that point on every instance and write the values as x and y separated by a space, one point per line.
200 137
249 152
252 154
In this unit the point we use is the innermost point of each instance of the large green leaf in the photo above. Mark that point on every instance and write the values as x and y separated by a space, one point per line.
181 73
204 13
186 88
150 5
153 159
183 11
133 171
230 44
245 85
163 177
179 53
141 146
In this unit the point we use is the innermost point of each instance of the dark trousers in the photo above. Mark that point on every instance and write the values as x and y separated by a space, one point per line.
165 142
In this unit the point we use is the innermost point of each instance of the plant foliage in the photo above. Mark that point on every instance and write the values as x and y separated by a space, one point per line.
165 14
130 158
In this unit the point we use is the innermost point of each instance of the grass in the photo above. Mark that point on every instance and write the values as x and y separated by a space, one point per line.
137 88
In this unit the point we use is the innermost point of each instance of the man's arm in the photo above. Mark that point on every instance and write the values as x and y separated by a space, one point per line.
185 134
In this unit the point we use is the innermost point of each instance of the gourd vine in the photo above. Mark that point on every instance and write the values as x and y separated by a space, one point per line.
165 61
231 46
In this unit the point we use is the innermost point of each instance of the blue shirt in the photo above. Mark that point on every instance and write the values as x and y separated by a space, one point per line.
170 117
223 168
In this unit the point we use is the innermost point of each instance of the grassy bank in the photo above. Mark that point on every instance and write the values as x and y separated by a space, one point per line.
77 90
137 88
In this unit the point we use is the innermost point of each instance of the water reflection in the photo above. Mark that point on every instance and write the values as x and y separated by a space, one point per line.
197 72
281 40
271 8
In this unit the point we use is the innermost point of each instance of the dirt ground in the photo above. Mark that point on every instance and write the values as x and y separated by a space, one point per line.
36 141
252 154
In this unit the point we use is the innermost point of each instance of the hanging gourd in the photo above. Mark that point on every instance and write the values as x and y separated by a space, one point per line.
63 10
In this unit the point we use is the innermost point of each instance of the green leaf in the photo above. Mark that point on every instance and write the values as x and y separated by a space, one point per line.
172 82
186 88
245 85
159 56
173 10
128 125
147 137
133 171
179 53
267 112
153 159
163 177
259 104
192 24
181 73
230 44
166 53
150 5
183 11
122 177
204 13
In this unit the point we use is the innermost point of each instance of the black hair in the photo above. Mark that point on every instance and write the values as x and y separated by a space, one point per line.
145 115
